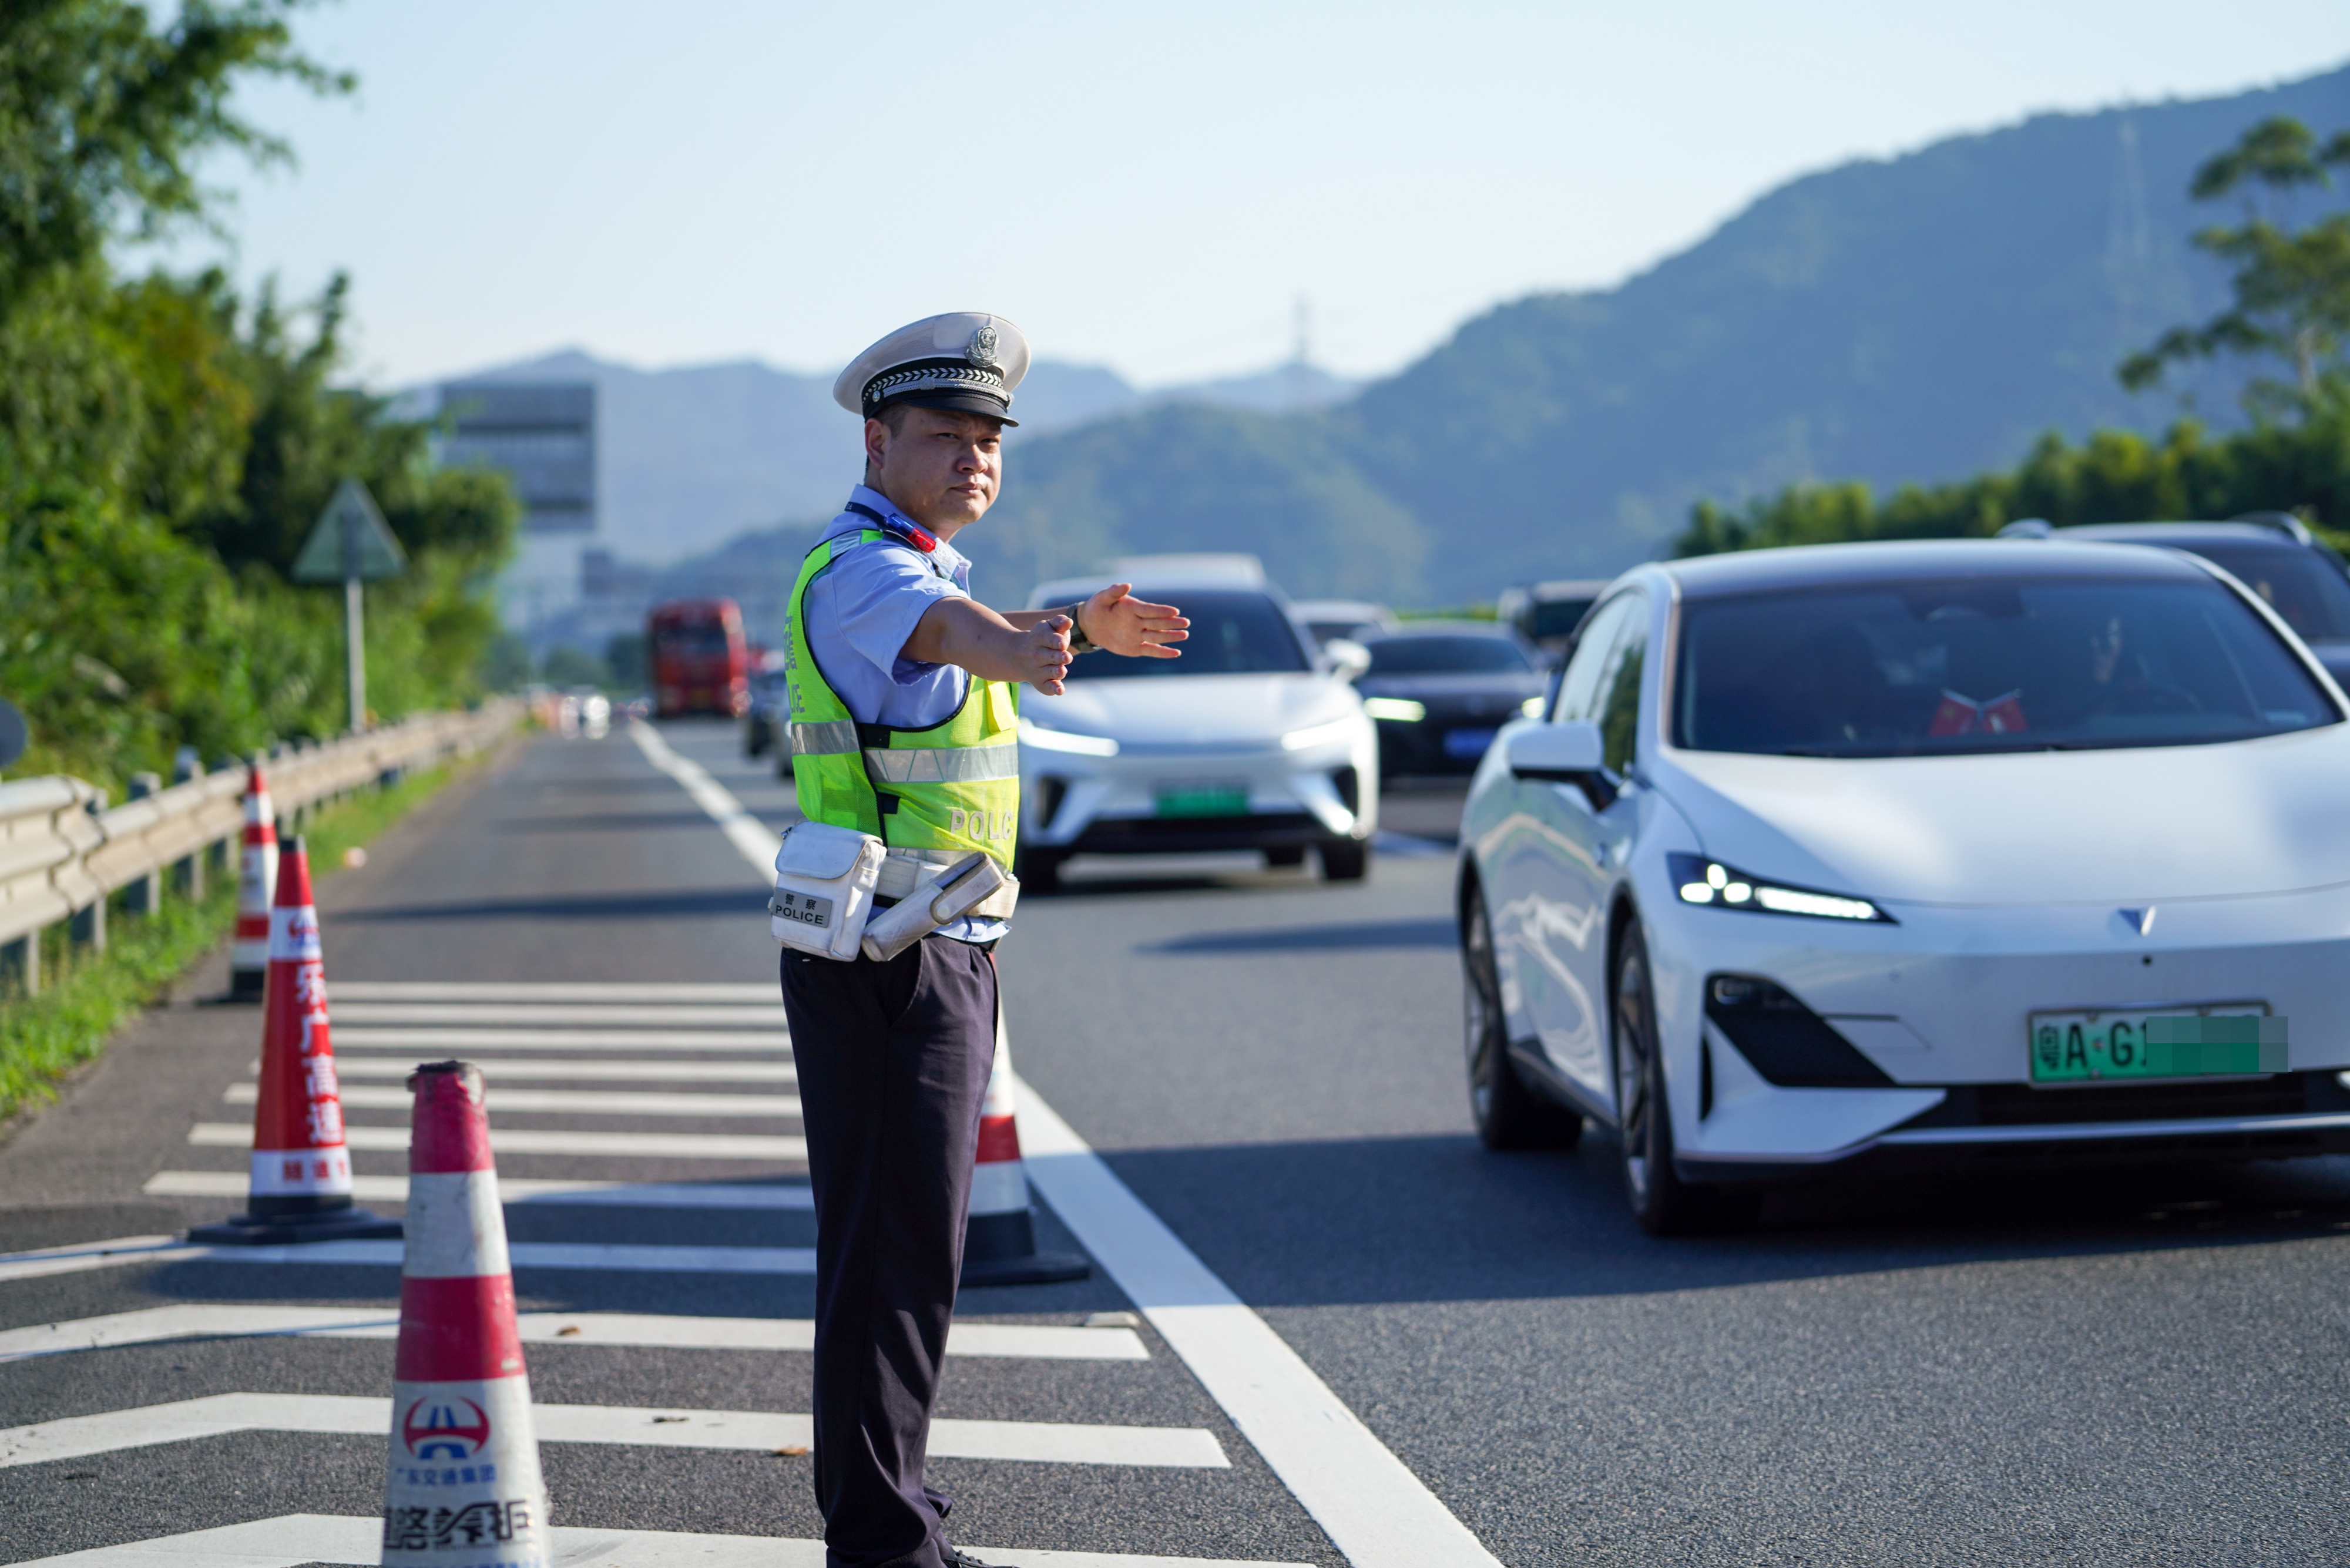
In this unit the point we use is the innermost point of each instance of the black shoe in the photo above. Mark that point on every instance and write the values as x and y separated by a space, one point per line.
953 1556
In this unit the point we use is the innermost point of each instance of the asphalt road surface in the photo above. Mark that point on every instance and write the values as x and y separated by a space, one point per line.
2138 1368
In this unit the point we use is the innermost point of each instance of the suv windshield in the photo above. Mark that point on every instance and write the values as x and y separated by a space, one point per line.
1231 634
2307 590
1440 654
1930 668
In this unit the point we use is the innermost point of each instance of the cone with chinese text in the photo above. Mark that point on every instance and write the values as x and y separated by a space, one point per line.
301 1174
462 1488
257 885
999 1243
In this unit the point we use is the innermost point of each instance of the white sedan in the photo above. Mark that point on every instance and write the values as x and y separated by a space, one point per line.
1249 741
1962 853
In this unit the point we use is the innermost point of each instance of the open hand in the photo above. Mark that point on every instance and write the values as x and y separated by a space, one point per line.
1138 628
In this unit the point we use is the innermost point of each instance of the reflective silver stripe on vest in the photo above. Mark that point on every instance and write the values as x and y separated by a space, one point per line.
830 738
945 764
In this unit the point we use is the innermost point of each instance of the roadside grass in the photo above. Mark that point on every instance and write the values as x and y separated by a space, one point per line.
85 995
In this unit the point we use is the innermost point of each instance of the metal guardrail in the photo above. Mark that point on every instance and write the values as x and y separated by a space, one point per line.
60 859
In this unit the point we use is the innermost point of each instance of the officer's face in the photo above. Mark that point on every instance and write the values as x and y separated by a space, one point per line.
940 466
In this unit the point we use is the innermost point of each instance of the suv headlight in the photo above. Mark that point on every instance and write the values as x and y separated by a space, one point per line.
1034 735
1700 880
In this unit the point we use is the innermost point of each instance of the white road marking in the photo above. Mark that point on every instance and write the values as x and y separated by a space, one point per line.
83 1256
588 1014
447 1040
564 1102
516 1189
754 839
1374 1509
672 993
294 1539
1038 1442
500 1070
1015 1341
525 1255
535 1140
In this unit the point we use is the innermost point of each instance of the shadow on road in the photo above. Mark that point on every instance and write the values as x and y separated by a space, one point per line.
1424 934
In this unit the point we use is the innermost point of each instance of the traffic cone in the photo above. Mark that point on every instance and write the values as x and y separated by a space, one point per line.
301 1188
256 881
999 1240
462 1487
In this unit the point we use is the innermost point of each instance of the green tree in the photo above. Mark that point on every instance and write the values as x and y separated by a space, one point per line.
2291 285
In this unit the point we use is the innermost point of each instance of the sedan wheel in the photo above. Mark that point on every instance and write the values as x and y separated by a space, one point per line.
1508 1114
1662 1201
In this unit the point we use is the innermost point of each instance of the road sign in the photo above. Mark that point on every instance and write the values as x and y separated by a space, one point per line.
350 540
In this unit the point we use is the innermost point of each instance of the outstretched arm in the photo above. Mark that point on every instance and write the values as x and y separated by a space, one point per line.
1120 623
1033 646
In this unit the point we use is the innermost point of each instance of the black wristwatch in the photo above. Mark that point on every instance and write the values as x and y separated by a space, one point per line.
1078 641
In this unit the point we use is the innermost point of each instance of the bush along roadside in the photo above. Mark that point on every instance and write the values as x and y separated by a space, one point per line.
93 992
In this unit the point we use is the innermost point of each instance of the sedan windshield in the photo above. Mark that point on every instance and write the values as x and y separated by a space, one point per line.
1231 634
1435 655
1932 668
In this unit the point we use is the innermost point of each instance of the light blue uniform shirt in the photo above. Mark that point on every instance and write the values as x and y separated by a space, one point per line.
861 610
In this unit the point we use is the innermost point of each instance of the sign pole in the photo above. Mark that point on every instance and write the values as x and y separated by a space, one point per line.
354 615
352 545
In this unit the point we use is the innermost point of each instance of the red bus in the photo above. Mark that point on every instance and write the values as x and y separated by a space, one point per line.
701 664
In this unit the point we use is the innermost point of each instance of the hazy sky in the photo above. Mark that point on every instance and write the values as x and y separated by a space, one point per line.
1148 188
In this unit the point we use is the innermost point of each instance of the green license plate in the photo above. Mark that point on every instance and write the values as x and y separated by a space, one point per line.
1203 800
2224 1039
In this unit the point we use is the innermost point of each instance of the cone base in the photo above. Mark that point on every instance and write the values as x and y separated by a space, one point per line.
248 984
280 1229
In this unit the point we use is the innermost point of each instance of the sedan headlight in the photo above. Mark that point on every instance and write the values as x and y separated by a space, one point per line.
1401 709
1034 735
1319 734
1710 882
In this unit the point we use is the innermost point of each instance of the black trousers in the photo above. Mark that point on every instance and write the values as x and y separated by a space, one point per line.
893 1061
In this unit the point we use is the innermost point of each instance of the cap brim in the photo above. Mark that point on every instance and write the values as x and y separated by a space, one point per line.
953 401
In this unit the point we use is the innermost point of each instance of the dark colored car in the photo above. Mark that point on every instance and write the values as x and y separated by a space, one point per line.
1547 614
1440 690
2274 554
762 721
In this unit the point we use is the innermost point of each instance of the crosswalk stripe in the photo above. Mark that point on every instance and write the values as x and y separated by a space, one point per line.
520 1190
599 1255
1022 1341
1037 1442
499 1070
536 1141
599 1015
572 1102
447 1040
677 991
294 1539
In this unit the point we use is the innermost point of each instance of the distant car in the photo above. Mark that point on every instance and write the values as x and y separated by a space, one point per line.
762 721
1247 741
1547 614
1353 620
2271 553
1441 689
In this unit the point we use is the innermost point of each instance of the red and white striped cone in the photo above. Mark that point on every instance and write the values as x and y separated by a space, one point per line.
301 1188
256 881
462 1488
999 1241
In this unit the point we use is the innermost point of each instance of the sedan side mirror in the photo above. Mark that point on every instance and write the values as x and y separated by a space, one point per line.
1349 659
1566 753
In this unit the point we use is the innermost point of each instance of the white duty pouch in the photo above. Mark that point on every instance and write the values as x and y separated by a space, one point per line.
974 885
824 888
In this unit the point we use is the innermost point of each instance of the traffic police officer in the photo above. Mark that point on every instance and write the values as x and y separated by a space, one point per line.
904 714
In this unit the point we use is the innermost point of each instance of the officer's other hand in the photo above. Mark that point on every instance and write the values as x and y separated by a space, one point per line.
1045 654
1138 628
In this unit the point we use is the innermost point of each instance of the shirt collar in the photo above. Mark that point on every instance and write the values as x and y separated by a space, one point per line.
952 561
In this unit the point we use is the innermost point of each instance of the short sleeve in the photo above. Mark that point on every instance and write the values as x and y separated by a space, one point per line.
881 593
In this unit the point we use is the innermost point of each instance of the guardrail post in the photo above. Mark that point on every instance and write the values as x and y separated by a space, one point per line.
145 895
20 965
188 872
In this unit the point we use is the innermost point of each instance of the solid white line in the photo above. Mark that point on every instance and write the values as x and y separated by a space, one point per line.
1016 1341
517 1190
564 1102
536 1141
294 1539
1041 1442
1374 1509
586 1015
443 1041
553 991
753 839
501 1069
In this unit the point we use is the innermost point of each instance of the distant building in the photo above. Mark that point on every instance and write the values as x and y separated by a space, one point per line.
542 435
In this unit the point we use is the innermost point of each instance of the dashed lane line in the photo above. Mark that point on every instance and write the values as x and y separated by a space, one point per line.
461 1039
516 1191
294 1539
672 993
1374 1509
128 1249
597 1014
537 1140
501 1069
1000 1341
564 1102
1036 1442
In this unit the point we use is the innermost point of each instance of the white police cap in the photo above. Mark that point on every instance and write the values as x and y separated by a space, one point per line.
965 360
